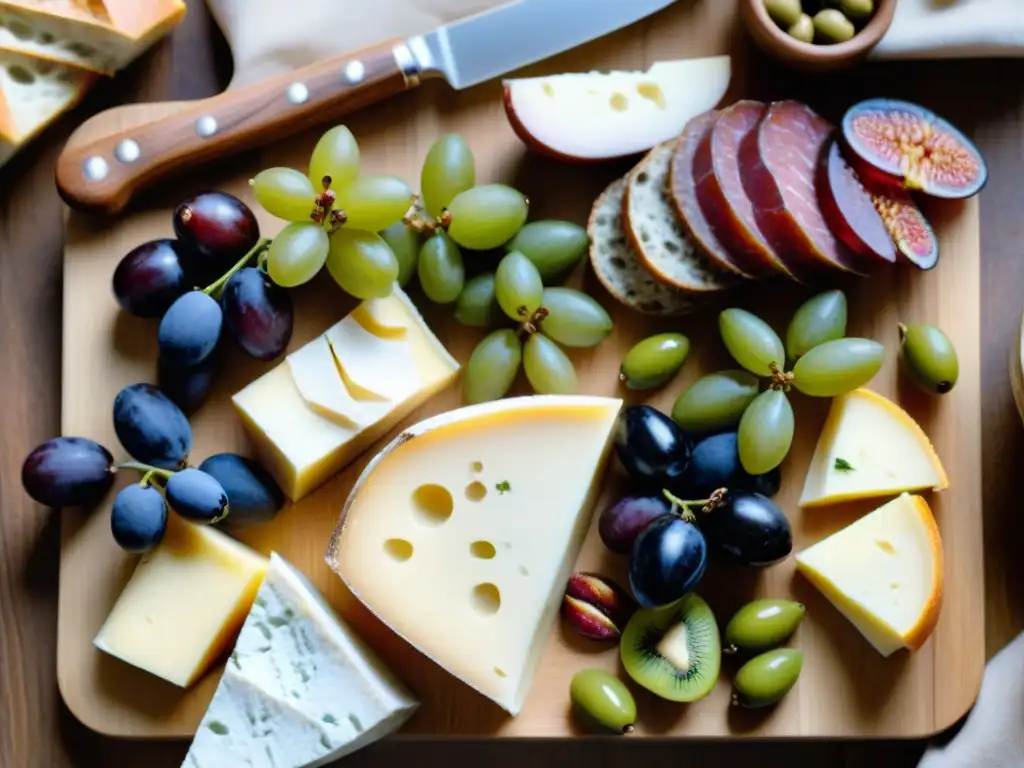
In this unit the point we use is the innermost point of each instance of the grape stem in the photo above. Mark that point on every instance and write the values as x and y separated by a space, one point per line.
780 380
529 327
903 331
147 471
714 501
215 288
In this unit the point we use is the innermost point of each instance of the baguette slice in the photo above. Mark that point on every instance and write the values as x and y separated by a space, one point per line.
618 267
655 230
101 36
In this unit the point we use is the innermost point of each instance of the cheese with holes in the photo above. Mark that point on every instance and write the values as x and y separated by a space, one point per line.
462 533
300 688
870 447
101 36
884 573
328 401
184 604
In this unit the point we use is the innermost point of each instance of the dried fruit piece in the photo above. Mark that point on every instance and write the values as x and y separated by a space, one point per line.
910 231
897 141
597 607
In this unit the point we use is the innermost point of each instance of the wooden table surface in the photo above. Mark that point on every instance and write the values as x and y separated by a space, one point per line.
37 731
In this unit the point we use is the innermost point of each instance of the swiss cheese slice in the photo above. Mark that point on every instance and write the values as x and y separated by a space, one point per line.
462 533
884 573
870 447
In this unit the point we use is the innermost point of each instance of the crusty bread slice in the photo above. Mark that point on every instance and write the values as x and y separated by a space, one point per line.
656 231
618 267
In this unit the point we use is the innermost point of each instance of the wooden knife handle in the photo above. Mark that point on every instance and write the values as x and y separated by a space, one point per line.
102 176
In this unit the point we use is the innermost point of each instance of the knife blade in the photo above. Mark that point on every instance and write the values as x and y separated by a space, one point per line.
102 176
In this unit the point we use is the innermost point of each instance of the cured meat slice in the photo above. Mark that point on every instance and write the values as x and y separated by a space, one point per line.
683 189
720 192
779 166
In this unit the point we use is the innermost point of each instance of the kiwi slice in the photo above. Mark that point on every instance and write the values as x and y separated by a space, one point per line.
674 651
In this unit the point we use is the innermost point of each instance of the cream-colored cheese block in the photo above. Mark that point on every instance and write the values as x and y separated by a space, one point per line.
184 604
102 36
884 573
388 377
461 534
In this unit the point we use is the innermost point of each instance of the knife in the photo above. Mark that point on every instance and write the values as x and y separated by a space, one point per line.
102 176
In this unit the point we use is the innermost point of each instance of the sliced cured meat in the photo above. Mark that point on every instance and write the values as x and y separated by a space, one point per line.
684 195
664 245
779 166
720 193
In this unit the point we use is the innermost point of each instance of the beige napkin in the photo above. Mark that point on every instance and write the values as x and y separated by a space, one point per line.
946 29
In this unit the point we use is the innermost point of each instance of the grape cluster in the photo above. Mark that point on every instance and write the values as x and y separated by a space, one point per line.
76 471
217 245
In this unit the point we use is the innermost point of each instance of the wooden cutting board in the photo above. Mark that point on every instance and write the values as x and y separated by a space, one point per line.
846 690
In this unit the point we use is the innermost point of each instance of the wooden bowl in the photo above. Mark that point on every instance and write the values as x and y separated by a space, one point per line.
812 56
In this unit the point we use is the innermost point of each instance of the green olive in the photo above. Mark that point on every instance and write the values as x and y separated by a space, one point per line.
655 360
832 26
783 12
762 624
928 357
802 29
765 679
602 701
857 10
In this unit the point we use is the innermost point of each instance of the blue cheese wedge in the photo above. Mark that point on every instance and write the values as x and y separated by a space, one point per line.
300 689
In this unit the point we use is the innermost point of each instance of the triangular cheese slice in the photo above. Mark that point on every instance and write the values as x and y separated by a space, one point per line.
300 689
461 534
884 573
870 447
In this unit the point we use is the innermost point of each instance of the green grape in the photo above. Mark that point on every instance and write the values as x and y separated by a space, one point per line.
555 247
297 254
766 432
374 203
836 367
492 368
821 318
448 169
404 242
548 369
285 193
715 402
362 264
751 341
440 270
518 287
574 319
477 306
487 217
335 155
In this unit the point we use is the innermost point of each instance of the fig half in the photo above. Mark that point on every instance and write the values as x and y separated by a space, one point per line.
897 142
913 235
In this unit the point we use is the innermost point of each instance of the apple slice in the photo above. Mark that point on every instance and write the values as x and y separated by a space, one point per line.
592 116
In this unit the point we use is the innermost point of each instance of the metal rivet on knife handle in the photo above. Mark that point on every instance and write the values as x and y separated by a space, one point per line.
95 168
297 93
354 72
206 126
128 151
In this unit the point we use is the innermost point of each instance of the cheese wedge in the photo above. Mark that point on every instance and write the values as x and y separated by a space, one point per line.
331 399
870 447
462 533
300 689
884 573
184 604
102 36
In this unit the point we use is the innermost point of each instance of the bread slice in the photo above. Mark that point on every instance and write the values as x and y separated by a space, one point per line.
664 245
618 267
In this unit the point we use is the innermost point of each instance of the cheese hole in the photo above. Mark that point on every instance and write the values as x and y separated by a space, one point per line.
483 550
398 549
619 102
500 672
549 89
486 599
476 491
886 547
652 92
21 75
20 29
476 467
355 723
434 503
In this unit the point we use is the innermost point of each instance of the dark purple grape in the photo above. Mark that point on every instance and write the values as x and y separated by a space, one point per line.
767 484
196 496
151 427
748 528
651 447
219 227
187 387
138 519
190 330
258 314
667 562
151 277
715 463
253 494
68 472
622 522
